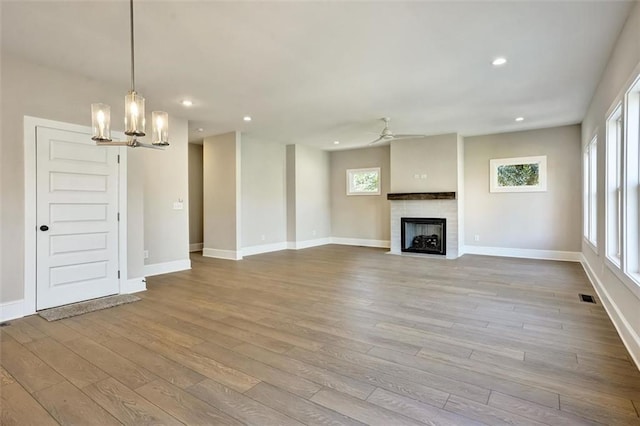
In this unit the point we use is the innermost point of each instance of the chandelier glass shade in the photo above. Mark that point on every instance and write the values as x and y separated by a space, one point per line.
134 115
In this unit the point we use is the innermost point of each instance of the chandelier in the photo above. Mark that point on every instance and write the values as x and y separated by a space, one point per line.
134 116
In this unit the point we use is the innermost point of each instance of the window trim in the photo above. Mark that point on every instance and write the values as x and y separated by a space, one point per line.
590 193
631 186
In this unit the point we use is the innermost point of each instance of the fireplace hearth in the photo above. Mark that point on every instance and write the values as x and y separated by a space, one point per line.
424 235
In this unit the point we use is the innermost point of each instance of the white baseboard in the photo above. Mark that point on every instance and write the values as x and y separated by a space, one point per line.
629 337
570 256
196 247
11 310
166 267
134 285
222 254
297 245
264 248
360 242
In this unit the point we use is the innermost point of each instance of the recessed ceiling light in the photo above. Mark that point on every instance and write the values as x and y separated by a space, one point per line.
499 61
200 129
520 119
246 118
336 142
187 102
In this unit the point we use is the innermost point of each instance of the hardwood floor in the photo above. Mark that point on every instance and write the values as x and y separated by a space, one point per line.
330 335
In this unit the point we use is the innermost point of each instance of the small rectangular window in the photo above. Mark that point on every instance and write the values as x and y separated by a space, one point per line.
363 181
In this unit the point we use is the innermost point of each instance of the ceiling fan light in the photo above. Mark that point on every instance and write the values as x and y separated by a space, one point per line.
101 122
160 133
134 118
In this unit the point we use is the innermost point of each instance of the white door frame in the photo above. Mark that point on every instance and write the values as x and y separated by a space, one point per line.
30 225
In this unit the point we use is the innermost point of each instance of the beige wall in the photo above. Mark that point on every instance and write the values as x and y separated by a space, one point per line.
525 220
291 191
196 235
623 65
433 156
29 89
312 201
166 230
221 186
359 216
460 194
135 213
264 218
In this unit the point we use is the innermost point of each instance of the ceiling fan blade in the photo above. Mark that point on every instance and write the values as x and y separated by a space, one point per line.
408 136
380 139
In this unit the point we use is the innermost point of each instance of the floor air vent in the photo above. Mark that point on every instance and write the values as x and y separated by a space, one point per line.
587 298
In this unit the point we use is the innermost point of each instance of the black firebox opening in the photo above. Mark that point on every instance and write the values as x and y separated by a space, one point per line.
424 235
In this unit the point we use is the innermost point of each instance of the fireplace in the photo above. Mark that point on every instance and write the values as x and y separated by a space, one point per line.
424 235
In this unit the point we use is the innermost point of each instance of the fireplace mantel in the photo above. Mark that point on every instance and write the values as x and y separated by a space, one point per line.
421 196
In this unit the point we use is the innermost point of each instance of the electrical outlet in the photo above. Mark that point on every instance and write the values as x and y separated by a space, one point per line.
178 205
263 237
146 254
423 176
416 176
476 237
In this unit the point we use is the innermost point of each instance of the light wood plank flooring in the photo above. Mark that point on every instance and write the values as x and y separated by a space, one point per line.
330 335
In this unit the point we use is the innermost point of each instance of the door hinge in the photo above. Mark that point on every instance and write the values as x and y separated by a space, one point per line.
118 274
118 216
118 158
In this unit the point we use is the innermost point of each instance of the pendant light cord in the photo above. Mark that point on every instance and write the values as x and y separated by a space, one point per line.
133 77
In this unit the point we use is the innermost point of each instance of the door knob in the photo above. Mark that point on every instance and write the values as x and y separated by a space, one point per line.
44 228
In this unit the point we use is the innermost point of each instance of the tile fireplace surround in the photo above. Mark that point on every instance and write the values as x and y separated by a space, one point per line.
436 208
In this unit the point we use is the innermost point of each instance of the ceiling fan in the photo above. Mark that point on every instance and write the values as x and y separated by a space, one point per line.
388 135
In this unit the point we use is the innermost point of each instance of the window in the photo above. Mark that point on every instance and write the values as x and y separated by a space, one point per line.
590 168
631 185
613 225
363 181
521 174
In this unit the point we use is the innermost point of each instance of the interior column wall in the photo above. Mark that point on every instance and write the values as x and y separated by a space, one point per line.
312 199
196 164
166 200
263 194
221 200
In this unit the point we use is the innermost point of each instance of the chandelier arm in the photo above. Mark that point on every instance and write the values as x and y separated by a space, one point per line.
133 77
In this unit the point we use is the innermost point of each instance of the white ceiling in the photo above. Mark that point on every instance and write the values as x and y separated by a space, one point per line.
315 72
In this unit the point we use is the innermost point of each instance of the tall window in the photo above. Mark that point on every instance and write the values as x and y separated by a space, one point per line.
591 192
631 226
613 216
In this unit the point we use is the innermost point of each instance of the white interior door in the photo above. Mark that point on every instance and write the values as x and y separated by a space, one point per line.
77 218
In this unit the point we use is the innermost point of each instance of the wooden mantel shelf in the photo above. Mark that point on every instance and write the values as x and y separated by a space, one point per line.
421 196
